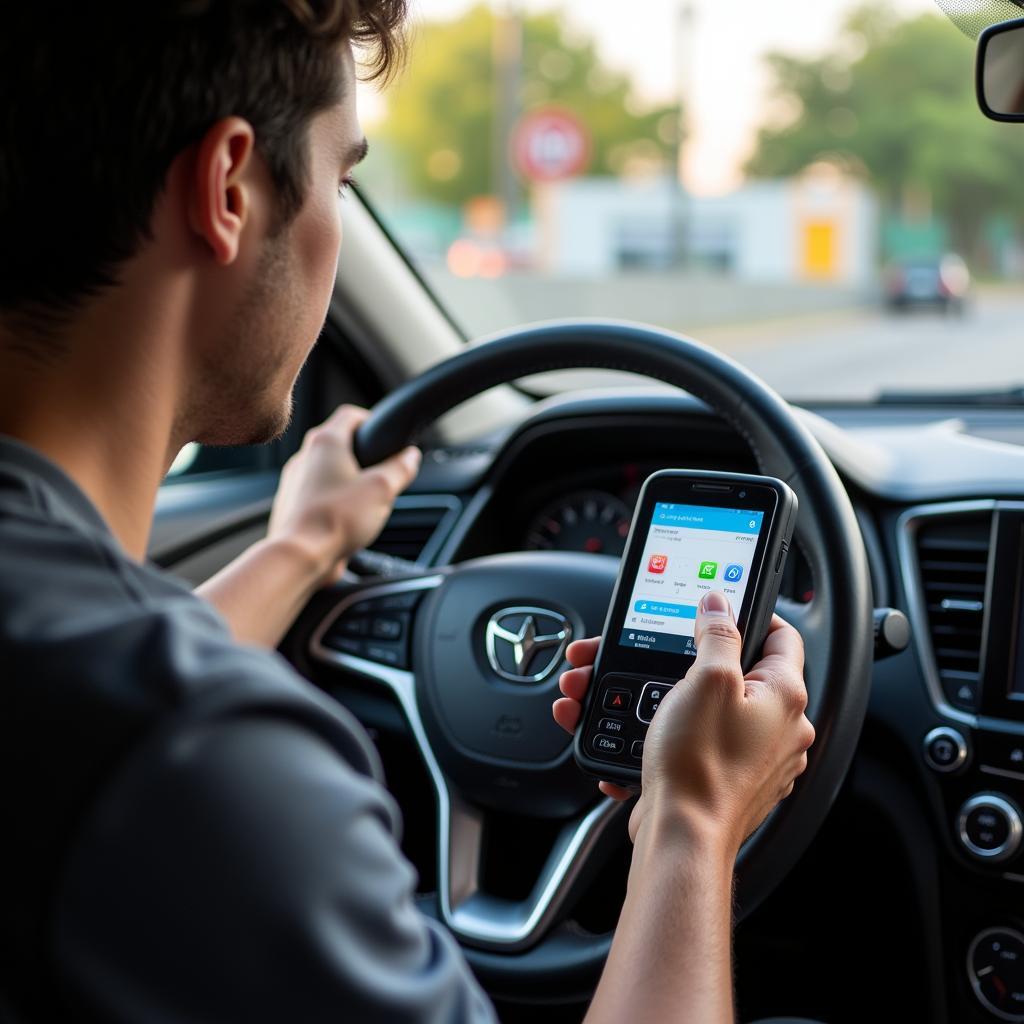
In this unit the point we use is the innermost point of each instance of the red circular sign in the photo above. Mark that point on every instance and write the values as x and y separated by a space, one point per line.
550 144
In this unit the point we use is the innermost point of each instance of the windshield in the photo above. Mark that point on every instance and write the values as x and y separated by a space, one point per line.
809 188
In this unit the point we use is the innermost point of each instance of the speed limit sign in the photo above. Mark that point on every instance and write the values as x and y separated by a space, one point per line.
550 144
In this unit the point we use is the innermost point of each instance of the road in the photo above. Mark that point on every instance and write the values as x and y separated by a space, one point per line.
855 353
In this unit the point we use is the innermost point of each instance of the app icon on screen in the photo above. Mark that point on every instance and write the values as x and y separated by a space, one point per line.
657 563
708 570
734 573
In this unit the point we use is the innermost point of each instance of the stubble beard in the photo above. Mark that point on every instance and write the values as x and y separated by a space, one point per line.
245 395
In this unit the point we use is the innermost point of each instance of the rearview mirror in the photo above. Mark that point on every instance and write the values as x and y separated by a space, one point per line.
1000 71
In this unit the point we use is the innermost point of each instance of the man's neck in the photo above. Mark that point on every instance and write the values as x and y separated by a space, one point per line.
103 409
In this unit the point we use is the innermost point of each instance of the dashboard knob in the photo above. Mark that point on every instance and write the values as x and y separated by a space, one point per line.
989 827
892 632
995 966
945 749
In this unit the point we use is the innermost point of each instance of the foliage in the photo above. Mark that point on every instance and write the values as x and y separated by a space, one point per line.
895 101
440 124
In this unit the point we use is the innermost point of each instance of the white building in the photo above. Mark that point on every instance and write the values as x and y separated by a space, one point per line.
819 227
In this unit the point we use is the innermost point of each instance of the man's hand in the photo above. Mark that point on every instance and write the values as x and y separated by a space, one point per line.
723 749
326 508
721 752
327 503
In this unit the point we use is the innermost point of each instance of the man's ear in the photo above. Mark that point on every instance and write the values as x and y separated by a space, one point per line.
219 196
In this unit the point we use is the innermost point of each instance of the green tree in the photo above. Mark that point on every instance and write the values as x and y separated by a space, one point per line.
894 100
440 121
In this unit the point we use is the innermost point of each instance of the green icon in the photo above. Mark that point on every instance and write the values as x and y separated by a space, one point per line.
708 570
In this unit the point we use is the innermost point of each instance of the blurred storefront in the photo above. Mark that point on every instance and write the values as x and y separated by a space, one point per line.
821 226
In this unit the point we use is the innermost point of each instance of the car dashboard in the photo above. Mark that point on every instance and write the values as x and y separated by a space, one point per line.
917 880
909 903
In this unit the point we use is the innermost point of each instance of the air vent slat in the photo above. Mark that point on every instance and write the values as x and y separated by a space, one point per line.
933 565
950 588
412 528
953 544
953 564
941 630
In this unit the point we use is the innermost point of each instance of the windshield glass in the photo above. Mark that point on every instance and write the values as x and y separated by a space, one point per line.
810 188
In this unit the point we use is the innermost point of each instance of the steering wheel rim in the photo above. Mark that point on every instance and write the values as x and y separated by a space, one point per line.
837 623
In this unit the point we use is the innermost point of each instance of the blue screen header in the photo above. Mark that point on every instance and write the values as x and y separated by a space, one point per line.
703 517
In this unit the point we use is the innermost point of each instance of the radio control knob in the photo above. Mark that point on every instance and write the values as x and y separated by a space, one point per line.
945 749
989 827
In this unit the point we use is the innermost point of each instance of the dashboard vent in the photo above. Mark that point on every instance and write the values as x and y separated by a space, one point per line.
417 527
953 560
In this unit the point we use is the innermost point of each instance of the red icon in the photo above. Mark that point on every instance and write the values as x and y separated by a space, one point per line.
617 700
657 563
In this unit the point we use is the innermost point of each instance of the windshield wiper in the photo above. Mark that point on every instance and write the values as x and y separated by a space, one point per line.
999 397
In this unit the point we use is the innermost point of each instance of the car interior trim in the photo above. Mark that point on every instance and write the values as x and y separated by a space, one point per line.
906 534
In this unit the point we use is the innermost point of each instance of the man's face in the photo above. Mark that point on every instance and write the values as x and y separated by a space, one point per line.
249 372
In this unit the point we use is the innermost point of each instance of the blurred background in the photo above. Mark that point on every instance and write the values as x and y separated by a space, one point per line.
808 187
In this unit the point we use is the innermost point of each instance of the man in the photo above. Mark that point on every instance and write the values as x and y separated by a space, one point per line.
192 832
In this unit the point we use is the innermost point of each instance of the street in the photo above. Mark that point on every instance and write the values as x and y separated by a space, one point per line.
853 354
807 342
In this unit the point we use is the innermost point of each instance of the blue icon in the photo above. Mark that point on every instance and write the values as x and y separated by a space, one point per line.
734 573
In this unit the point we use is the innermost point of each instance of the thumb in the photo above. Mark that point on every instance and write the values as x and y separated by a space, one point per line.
717 638
399 470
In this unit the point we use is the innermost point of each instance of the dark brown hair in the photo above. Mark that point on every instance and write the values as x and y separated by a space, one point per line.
97 98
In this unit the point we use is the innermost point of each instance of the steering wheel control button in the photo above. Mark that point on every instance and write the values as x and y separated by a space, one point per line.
387 628
611 725
608 744
995 966
989 827
945 749
398 602
637 750
353 626
387 654
376 629
650 700
617 700
347 645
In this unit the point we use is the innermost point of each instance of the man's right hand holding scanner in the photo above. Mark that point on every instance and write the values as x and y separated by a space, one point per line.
724 748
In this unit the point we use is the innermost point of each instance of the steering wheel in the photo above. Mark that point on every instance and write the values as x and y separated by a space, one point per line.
490 743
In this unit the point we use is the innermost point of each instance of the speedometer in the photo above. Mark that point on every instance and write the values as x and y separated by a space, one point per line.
593 521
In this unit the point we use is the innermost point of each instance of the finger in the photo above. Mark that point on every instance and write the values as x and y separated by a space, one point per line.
784 639
399 471
582 652
566 713
716 636
615 792
783 651
346 417
576 682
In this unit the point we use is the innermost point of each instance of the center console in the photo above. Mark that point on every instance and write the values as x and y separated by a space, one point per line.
963 566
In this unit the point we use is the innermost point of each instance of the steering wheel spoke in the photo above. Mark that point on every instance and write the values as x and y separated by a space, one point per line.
477 917
489 921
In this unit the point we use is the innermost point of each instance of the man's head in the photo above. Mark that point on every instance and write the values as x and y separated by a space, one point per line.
201 141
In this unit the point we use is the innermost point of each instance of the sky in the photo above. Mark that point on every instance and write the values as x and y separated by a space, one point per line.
722 73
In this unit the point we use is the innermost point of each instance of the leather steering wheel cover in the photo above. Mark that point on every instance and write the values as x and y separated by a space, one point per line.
839 669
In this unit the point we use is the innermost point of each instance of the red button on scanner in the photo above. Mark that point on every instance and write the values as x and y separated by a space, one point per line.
617 700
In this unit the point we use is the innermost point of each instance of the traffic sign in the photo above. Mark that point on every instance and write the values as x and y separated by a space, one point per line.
550 144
